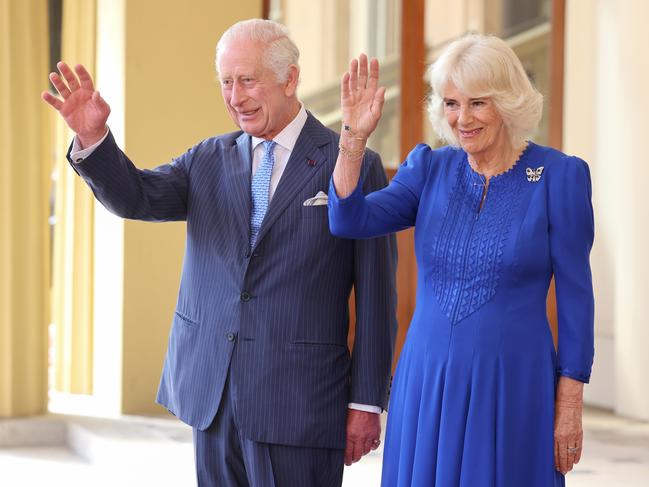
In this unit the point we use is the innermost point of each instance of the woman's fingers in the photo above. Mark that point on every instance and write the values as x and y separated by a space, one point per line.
563 459
566 455
570 460
361 97
344 87
373 81
361 76
362 71
379 100
353 75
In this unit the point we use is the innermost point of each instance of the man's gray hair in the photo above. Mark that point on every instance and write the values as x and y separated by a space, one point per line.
280 52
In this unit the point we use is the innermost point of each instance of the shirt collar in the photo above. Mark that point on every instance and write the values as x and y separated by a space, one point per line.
289 134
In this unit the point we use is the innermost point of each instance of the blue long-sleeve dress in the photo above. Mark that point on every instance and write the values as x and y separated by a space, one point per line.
472 402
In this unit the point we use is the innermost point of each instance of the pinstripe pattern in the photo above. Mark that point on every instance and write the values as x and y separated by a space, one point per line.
225 458
284 303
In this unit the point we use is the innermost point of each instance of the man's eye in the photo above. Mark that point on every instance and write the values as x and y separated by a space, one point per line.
449 104
226 82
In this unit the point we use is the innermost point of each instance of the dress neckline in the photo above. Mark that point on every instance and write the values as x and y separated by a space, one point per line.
502 174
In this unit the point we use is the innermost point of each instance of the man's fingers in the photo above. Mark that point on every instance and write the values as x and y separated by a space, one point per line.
69 76
358 452
59 85
368 447
353 451
100 102
84 77
349 448
51 100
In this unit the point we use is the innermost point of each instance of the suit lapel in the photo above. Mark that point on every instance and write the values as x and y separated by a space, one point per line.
238 163
305 161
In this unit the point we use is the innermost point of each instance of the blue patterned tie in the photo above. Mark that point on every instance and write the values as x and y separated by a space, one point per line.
259 190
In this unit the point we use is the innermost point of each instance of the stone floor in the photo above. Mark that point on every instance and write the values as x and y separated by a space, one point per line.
71 452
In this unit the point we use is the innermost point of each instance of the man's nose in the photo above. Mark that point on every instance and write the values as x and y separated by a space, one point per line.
236 95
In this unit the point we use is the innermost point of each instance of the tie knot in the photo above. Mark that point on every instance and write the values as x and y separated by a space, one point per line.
269 145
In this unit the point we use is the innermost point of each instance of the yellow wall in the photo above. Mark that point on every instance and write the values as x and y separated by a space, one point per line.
25 164
161 84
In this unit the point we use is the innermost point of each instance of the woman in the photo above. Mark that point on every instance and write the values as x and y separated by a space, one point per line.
480 398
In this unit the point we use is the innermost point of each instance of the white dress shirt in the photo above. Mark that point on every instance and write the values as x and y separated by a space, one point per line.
285 142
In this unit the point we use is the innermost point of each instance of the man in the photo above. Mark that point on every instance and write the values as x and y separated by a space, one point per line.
257 361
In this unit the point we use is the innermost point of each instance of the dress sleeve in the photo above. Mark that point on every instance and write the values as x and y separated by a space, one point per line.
571 230
385 211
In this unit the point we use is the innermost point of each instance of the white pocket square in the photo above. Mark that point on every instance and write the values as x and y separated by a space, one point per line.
319 199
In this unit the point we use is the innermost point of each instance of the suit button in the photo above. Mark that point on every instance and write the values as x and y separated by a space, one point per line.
245 296
230 337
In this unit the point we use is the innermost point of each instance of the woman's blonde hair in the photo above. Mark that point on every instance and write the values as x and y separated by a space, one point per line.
483 66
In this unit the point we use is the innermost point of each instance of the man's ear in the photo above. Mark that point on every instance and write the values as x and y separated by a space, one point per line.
292 80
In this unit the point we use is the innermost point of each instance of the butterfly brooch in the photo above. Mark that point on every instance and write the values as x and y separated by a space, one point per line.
534 175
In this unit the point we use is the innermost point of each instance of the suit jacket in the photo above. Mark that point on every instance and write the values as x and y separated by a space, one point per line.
276 316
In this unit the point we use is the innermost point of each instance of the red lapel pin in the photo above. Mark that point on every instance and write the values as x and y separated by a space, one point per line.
310 162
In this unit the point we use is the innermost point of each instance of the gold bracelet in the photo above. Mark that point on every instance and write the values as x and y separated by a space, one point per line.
351 154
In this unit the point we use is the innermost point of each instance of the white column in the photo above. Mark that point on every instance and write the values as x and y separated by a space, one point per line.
606 102
624 79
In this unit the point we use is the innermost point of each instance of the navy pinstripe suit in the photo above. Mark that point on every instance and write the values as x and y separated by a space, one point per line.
276 317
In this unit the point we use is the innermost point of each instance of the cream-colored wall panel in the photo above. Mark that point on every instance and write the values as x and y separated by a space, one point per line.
156 69
24 172
581 126
605 106
625 72
172 102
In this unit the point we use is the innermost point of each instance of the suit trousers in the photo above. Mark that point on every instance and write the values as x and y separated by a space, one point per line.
225 458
